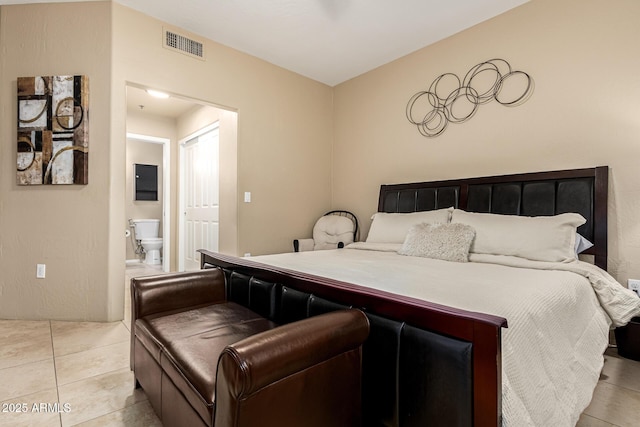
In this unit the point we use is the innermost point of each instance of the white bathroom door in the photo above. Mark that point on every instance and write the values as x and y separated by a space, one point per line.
201 204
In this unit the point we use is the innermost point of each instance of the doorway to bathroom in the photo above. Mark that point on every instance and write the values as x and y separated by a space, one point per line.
179 120
150 201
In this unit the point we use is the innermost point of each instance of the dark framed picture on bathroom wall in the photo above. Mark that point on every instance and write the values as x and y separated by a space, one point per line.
53 130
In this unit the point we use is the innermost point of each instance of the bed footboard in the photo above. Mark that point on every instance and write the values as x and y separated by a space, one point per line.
423 364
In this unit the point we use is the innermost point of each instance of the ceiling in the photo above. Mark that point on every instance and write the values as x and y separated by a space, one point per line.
139 101
330 41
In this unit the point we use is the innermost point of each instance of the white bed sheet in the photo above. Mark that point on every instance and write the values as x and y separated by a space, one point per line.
558 327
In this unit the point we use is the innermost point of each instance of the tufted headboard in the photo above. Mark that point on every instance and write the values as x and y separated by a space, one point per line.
531 194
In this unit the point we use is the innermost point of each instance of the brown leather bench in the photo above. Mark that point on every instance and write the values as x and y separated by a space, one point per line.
206 361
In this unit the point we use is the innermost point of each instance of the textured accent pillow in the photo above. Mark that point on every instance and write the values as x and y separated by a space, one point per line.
393 227
540 238
449 242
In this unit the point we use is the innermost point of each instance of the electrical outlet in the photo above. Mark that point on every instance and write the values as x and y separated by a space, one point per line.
634 285
41 270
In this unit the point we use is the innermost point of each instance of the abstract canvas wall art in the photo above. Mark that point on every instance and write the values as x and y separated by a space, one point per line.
53 130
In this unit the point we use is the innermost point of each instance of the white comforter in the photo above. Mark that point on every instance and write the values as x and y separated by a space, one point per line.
558 314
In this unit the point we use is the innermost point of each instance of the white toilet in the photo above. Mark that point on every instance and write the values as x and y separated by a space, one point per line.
146 232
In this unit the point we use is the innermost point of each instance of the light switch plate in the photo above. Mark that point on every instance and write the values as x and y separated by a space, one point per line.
41 270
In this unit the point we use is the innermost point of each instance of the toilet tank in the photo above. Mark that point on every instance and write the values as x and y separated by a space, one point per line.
146 228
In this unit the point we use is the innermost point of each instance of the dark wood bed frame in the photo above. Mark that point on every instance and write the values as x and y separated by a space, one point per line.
543 193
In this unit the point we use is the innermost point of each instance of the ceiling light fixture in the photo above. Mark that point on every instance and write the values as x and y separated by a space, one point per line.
157 94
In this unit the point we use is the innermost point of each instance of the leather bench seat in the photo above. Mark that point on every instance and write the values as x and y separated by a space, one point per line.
156 330
204 360
185 343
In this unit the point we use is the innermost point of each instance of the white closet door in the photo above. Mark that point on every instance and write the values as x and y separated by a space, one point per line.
201 197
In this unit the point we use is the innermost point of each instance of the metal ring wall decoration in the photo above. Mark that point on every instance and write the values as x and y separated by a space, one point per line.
450 100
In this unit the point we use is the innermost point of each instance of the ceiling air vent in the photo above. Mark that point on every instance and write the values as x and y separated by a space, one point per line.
182 44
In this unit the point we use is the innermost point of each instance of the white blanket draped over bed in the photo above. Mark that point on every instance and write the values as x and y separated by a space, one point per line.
559 315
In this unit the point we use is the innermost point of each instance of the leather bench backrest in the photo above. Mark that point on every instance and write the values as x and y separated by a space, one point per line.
255 294
436 366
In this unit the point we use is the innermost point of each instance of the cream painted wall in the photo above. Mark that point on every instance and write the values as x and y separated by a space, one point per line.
284 132
64 227
584 112
228 134
284 129
196 119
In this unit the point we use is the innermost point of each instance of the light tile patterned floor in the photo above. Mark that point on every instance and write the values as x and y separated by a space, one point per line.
616 399
71 373
77 374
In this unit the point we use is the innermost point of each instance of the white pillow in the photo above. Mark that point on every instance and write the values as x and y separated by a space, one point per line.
449 242
393 227
541 238
331 230
582 244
